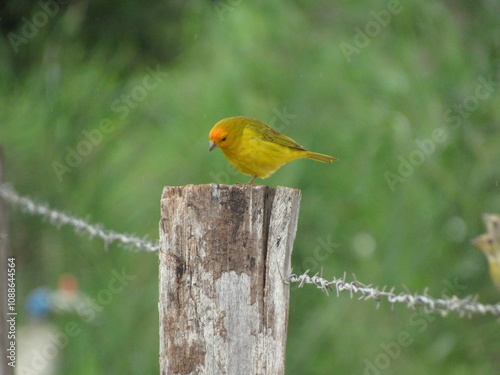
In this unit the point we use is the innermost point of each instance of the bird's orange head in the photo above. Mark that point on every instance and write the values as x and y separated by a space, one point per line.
225 133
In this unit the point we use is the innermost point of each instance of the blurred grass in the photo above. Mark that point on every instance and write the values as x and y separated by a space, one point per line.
260 60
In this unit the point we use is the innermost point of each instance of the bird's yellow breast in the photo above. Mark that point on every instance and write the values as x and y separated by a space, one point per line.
256 157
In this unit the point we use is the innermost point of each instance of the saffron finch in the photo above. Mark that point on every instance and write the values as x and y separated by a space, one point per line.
256 149
489 244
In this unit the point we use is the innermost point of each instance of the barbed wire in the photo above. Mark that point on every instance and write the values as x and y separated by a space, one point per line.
79 225
468 306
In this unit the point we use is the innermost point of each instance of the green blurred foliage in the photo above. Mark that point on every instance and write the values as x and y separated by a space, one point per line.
157 76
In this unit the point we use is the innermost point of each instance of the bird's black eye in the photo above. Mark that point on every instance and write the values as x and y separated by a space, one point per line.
223 139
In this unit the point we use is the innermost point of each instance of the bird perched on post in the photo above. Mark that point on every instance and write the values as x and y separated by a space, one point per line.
256 149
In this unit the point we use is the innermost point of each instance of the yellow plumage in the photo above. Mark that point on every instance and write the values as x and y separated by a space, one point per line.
489 244
256 149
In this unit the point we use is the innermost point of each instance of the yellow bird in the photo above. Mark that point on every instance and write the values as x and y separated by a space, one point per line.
486 244
256 149
489 244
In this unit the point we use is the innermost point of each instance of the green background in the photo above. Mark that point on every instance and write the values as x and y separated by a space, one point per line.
395 90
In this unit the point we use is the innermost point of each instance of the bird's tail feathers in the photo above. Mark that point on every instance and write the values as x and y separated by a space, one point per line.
320 157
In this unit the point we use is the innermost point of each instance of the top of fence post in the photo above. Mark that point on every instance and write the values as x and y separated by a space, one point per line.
224 254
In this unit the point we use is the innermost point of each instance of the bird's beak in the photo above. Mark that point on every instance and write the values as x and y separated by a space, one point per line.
212 146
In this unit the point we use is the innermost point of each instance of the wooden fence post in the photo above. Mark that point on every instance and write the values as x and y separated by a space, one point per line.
224 251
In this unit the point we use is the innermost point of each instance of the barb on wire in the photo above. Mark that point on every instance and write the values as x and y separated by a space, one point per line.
468 306
80 226
464 307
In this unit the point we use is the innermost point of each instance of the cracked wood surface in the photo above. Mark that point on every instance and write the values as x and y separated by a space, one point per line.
224 251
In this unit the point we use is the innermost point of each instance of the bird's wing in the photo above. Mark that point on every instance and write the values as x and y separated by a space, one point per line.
268 134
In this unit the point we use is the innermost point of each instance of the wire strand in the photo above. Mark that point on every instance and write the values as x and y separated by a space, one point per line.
79 225
464 307
468 306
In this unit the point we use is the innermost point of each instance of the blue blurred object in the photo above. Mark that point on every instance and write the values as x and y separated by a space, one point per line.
38 303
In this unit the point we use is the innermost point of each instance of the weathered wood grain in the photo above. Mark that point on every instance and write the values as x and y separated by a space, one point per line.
224 251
